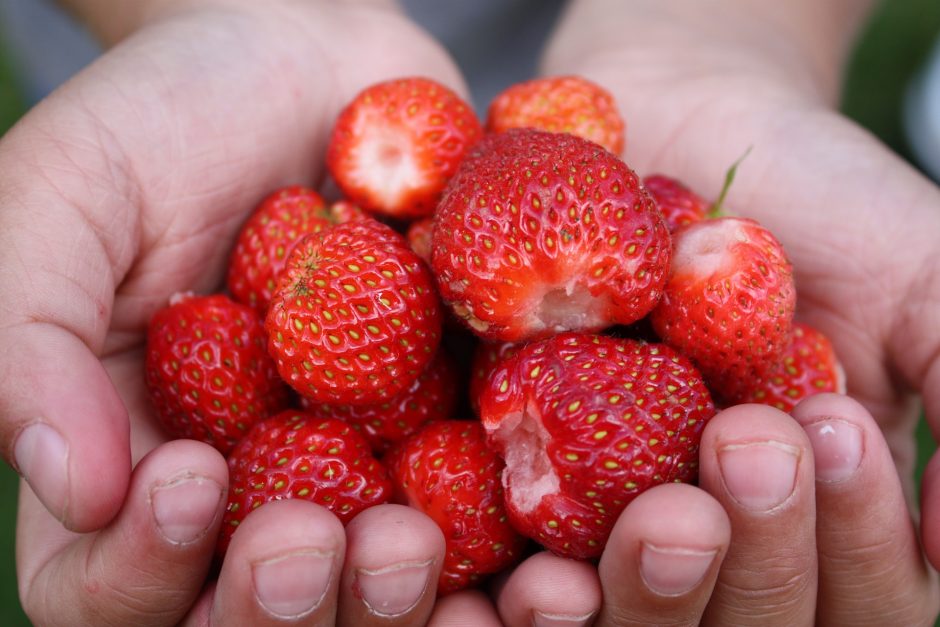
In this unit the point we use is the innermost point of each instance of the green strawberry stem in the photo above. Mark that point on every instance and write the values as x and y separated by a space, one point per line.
717 210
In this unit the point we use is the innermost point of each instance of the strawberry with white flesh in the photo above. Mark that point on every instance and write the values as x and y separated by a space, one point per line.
560 104
207 370
679 205
293 455
447 471
540 233
585 423
268 237
356 317
432 396
395 146
809 366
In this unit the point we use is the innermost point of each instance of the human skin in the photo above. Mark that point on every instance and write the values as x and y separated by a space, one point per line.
119 189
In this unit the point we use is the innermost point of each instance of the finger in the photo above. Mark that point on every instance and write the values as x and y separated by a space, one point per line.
757 462
148 566
871 569
282 567
662 558
549 590
468 608
393 560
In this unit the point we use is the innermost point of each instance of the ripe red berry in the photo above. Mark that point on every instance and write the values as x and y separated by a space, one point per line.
486 357
585 423
679 205
540 233
397 143
296 456
560 104
356 317
447 471
207 371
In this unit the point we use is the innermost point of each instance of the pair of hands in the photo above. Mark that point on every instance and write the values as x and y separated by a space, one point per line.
129 183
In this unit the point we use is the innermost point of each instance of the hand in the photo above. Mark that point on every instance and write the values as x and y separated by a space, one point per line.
697 87
125 186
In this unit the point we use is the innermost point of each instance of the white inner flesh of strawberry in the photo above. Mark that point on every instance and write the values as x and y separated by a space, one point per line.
707 249
387 166
569 307
529 474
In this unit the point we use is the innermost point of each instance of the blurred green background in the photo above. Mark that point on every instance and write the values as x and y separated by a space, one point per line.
891 50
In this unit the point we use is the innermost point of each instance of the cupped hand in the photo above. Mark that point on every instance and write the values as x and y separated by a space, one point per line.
129 184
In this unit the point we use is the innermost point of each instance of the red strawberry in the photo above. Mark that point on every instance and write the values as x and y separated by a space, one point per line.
419 237
397 143
355 318
541 232
447 471
809 366
267 238
432 396
560 104
486 357
208 374
585 424
729 302
296 456
347 211
679 204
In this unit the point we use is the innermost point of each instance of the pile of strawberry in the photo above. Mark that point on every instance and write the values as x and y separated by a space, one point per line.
605 318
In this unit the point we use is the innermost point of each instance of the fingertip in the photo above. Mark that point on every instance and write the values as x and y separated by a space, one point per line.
547 589
839 429
467 608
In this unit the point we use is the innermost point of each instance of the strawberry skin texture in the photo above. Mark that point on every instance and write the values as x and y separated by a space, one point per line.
432 396
486 357
419 237
560 104
809 366
207 371
585 423
395 146
447 471
267 238
356 317
679 205
729 302
292 455
540 233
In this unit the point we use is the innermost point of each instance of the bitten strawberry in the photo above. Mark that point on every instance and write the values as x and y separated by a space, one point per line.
809 366
679 204
540 232
432 396
207 371
447 471
295 456
585 423
729 302
268 237
397 143
560 104
355 318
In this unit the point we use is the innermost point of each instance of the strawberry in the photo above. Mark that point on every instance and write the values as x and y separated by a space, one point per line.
394 147
447 471
207 371
355 318
809 366
486 357
560 104
267 238
432 396
679 204
729 302
585 423
419 237
292 455
540 232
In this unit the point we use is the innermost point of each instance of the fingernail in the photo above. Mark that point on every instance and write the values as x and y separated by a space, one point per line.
671 571
185 508
542 619
837 449
393 590
760 476
292 586
42 457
